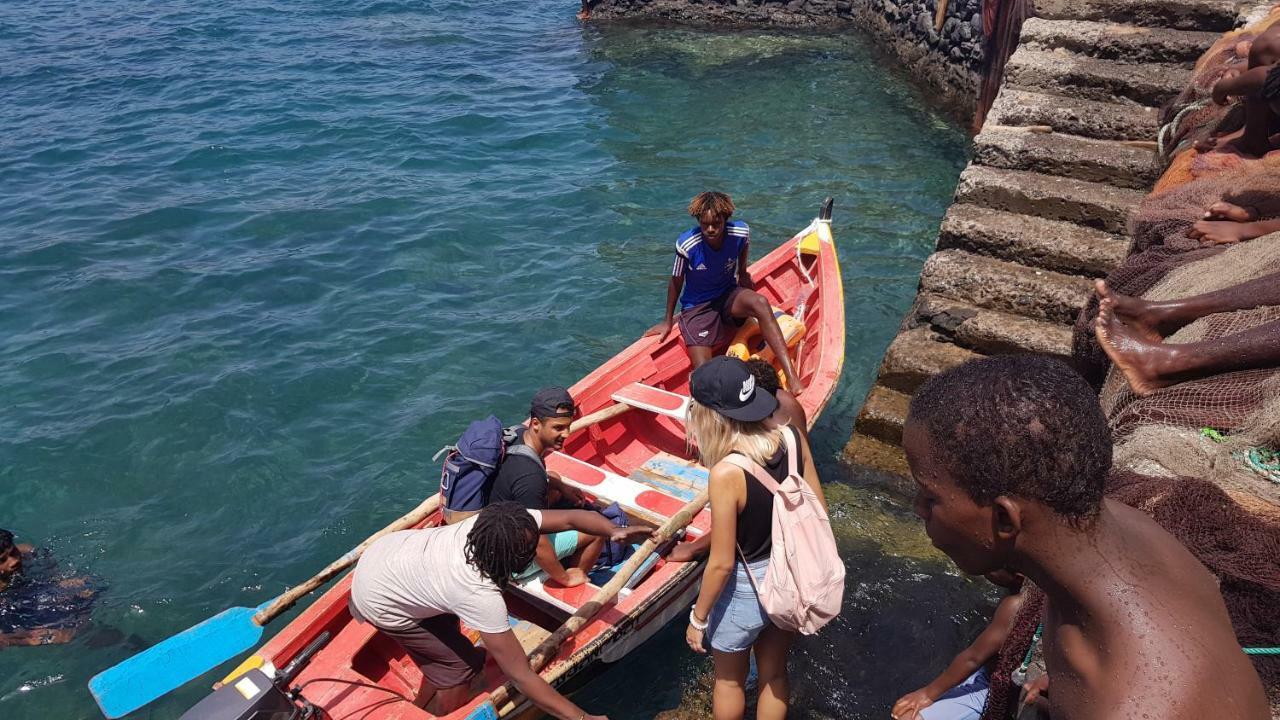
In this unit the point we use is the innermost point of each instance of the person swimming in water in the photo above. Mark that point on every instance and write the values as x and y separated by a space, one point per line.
36 606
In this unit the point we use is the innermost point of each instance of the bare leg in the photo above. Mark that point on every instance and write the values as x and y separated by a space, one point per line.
751 304
1226 232
589 549
1156 319
1149 366
446 700
729 696
585 12
699 354
771 650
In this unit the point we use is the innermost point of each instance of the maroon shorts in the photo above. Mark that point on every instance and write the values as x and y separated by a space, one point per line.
444 655
710 324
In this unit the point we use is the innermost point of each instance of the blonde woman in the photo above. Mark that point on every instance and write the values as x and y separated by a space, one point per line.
730 415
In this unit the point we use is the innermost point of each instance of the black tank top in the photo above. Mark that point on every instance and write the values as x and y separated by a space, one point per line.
755 521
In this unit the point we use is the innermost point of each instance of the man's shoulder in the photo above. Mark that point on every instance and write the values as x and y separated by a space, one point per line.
737 227
688 240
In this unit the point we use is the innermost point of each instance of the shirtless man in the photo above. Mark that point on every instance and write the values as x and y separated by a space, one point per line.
42 610
715 291
1132 330
1010 455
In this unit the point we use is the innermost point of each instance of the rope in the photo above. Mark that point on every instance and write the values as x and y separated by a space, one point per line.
1172 126
1262 651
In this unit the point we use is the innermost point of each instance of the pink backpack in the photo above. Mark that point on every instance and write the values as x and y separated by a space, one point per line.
804 583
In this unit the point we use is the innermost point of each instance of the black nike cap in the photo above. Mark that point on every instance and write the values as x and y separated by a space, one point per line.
725 384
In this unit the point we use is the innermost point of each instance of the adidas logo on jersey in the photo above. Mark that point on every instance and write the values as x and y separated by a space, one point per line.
701 267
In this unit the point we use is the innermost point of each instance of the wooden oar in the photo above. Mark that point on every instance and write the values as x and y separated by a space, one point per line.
598 416
129 685
548 648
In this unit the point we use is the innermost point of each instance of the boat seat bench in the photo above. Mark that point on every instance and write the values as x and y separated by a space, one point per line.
655 400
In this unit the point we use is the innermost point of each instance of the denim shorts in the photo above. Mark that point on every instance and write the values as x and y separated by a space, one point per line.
737 618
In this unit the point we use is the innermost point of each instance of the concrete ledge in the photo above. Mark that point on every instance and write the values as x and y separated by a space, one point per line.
1005 286
991 332
1066 73
1076 116
1049 244
917 355
1055 198
1207 15
1123 42
1103 161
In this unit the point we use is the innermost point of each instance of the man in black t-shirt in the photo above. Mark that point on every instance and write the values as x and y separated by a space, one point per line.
524 479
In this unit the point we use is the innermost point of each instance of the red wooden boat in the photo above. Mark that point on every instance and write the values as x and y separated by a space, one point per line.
637 458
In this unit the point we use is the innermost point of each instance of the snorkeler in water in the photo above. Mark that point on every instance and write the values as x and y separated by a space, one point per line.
37 607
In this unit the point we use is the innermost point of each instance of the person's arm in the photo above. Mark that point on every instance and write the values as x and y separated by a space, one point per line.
744 277
1248 82
506 651
567 492
691 550
727 484
592 523
674 286
38 636
970 659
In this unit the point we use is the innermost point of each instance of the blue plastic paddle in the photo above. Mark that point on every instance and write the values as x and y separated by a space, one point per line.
164 667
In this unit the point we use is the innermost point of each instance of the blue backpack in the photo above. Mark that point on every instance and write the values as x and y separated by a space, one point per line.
471 464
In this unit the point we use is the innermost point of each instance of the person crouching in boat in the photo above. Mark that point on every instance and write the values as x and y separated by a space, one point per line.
416 585
730 415
523 478
715 290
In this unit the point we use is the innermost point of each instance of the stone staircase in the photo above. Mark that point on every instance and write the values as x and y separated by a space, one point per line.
1067 152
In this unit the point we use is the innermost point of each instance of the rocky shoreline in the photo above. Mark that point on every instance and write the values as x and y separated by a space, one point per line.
946 61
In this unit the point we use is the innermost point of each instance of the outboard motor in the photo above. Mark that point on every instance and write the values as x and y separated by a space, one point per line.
258 696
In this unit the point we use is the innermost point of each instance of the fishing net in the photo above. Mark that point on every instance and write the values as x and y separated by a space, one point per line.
1225 401
1192 116
1160 246
1239 548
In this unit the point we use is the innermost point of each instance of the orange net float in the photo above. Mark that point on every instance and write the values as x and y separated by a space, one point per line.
749 342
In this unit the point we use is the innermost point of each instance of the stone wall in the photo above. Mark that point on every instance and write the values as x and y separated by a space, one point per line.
945 63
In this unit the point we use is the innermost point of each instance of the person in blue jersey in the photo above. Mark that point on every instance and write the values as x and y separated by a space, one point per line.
715 291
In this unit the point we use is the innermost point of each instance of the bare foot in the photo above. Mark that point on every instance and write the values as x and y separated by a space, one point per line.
584 14
1140 360
1144 317
1223 232
1223 210
1242 49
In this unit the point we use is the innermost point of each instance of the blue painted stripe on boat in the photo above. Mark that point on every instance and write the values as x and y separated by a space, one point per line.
678 491
691 474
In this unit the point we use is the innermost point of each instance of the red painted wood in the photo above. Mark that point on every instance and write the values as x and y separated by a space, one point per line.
359 654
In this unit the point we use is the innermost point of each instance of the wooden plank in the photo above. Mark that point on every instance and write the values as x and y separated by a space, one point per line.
655 400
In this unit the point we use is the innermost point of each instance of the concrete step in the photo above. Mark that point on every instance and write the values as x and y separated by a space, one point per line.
991 332
868 452
1076 116
1205 15
1123 42
1004 286
917 355
1104 161
1067 73
1094 205
883 414
1047 244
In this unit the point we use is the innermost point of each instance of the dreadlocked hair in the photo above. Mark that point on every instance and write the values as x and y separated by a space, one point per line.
715 203
502 542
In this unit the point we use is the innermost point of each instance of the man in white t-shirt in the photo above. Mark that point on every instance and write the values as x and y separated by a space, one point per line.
416 585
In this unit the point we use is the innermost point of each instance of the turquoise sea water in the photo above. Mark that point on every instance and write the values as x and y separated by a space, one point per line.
258 261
